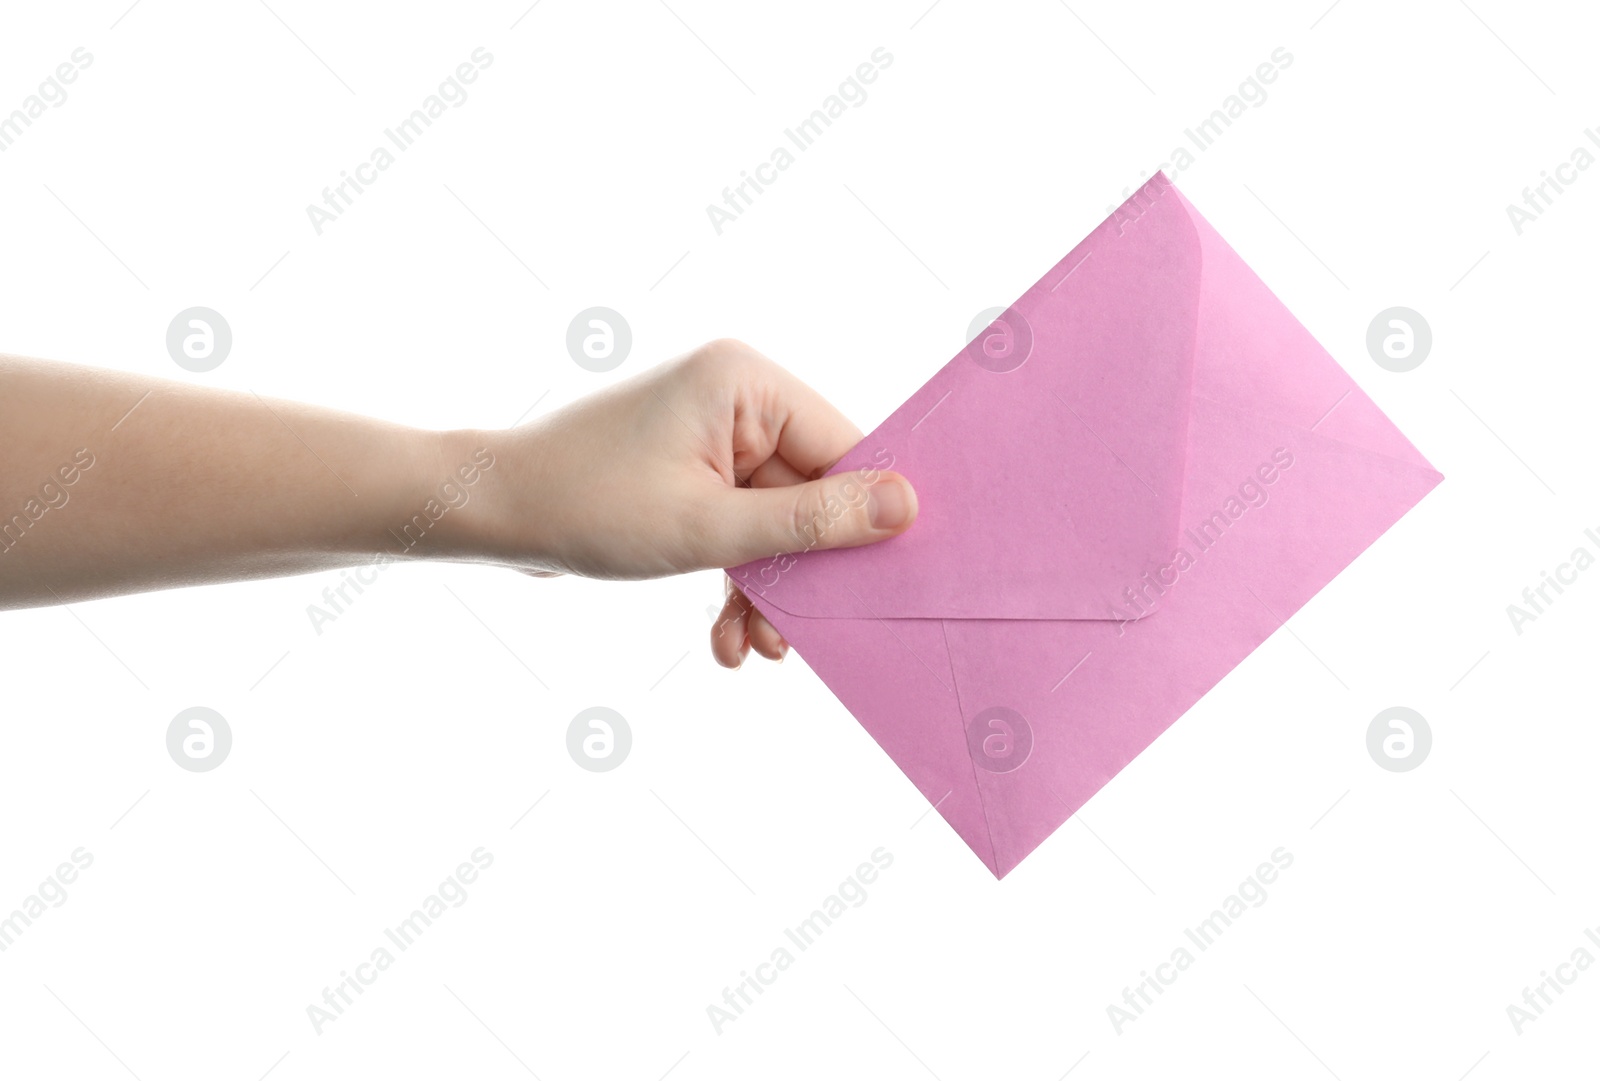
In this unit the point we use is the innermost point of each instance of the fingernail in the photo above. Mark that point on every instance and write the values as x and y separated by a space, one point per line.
888 504
783 650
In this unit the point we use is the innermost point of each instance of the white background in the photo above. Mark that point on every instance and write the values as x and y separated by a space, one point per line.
370 760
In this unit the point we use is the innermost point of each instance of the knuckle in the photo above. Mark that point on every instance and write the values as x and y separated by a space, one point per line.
806 516
717 358
824 515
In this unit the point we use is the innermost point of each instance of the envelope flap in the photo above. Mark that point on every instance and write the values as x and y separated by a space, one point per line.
1241 322
1047 456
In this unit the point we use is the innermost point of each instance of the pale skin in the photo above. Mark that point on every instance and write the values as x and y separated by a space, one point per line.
711 460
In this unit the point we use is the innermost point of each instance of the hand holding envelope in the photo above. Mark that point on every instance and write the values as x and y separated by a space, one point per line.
1126 484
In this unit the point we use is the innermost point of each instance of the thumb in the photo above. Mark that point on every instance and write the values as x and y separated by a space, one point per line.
841 511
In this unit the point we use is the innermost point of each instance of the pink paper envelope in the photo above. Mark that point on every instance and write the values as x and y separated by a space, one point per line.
1126 484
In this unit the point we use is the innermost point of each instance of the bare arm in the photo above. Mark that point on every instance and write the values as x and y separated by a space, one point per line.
113 483
116 483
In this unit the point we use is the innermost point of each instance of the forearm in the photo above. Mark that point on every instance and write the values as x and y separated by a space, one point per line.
113 483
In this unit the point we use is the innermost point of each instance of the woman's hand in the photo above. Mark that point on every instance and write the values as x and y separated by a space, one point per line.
711 460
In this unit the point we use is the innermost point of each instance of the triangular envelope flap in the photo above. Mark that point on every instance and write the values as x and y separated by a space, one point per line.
1253 354
1047 456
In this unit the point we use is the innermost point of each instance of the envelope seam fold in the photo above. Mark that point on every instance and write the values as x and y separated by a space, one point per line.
1365 451
961 720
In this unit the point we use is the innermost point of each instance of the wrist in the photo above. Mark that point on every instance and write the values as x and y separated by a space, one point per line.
448 516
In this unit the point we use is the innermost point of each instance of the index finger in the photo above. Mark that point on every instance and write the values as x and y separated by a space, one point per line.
813 434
